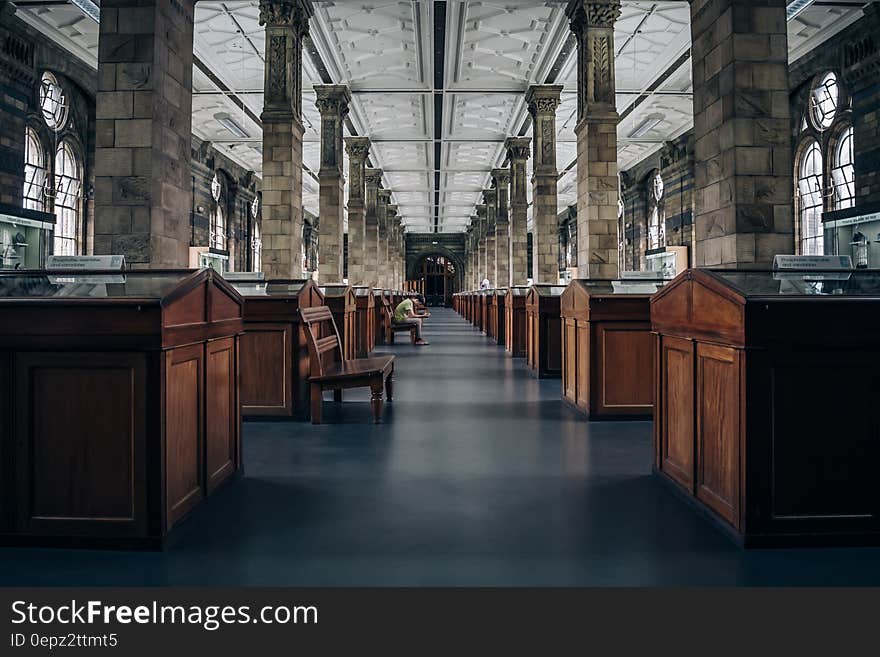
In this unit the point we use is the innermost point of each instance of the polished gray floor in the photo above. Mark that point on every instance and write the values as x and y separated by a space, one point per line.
479 476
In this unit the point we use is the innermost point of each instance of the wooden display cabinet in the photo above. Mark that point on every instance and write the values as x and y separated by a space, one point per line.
274 349
607 348
544 331
515 321
120 401
340 298
496 315
765 385
365 308
484 311
379 315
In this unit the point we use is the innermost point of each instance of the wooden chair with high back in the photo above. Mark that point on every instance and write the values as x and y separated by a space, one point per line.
391 327
330 370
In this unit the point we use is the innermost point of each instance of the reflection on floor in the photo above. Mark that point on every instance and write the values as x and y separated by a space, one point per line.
479 476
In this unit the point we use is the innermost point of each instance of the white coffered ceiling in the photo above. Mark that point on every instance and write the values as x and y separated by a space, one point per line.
492 50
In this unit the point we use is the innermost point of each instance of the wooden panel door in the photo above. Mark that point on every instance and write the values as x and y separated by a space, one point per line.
569 359
625 368
718 429
80 427
184 431
584 356
265 369
676 410
221 412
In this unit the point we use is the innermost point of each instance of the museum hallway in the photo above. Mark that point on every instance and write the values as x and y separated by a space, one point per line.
479 476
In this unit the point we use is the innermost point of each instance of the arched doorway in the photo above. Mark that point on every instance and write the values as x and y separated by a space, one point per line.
435 277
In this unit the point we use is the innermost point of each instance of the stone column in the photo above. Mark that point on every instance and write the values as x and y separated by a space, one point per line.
143 189
358 148
490 199
543 101
372 179
592 22
282 212
332 101
743 160
382 253
391 255
518 155
483 223
401 249
470 256
501 181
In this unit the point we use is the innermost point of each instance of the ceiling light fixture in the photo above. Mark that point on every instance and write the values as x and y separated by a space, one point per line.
227 122
651 121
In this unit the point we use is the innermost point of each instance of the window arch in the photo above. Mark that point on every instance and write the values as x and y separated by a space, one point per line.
843 171
809 183
657 216
33 194
68 191
53 102
218 216
825 100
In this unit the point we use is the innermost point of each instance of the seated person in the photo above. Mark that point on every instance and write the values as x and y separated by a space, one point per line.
405 313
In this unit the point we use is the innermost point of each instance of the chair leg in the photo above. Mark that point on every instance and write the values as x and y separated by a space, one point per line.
376 401
317 399
337 395
389 387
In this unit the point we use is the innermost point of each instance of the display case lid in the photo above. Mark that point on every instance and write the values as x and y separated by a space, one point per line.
750 283
337 290
596 287
362 290
146 285
548 290
519 290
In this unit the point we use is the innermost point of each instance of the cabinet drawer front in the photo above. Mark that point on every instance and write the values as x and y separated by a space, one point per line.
221 416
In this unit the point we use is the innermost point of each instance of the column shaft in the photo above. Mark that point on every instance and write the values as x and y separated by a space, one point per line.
143 189
743 161
518 154
332 102
282 220
372 179
358 148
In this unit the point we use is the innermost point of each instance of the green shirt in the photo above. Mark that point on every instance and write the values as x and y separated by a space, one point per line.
404 307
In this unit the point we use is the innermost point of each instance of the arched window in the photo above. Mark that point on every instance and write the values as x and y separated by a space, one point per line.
34 172
53 102
218 216
842 171
68 188
824 100
810 199
657 218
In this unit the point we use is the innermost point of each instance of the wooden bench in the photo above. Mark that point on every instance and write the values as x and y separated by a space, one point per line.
391 327
330 370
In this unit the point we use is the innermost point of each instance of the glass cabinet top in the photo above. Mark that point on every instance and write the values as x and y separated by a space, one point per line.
601 286
337 290
153 284
792 282
547 290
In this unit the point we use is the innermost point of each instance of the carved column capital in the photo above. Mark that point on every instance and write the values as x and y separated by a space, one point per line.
543 100
518 148
332 102
287 13
373 177
358 148
585 14
500 178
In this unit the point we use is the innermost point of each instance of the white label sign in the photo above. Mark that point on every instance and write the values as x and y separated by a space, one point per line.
87 263
640 275
836 262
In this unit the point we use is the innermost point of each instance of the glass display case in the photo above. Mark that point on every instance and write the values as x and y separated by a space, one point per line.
25 236
854 232
543 330
142 285
745 360
515 321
